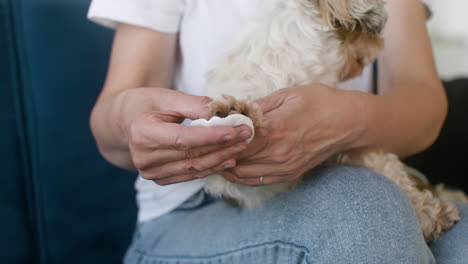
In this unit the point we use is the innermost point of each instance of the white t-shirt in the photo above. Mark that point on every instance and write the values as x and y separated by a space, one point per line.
207 29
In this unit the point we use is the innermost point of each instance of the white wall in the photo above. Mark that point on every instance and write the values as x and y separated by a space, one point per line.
450 19
449 33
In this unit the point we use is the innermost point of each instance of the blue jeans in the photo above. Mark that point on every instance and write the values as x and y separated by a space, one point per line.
337 215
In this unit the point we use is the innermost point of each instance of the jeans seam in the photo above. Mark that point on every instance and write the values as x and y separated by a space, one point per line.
144 254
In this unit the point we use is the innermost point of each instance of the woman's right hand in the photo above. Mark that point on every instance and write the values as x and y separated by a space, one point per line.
139 128
167 152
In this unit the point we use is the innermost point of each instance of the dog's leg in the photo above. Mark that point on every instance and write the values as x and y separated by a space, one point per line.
435 215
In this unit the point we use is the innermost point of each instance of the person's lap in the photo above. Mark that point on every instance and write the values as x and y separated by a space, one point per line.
336 215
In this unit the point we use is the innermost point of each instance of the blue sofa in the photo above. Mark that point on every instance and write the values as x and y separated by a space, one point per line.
60 202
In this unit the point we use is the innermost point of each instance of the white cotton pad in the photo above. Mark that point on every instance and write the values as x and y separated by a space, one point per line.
231 120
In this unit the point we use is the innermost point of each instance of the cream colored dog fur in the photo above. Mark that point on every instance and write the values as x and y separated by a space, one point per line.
298 42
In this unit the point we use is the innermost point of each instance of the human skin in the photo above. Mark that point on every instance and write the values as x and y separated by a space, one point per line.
136 125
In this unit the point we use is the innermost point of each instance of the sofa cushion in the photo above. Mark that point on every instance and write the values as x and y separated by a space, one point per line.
84 208
15 228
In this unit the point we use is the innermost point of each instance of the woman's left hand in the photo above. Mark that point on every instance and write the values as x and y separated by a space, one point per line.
304 127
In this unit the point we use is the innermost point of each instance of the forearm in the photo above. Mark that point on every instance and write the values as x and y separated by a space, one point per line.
405 121
407 115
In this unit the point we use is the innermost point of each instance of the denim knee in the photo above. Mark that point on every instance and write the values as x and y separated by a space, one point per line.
351 213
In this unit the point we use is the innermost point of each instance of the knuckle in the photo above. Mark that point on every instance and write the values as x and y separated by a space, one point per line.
135 137
190 153
192 167
179 143
139 163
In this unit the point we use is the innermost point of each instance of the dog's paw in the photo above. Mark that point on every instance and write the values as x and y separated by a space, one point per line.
438 217
449 215
230 106
219 109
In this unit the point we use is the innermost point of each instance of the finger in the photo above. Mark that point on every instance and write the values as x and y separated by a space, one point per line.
255 151
190 106
189 177
258 170
145 159
218 169
235 179
179 137
193 166
267 180
281 179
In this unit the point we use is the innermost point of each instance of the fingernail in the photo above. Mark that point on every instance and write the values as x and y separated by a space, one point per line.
228 137
245 135
228 165
238 148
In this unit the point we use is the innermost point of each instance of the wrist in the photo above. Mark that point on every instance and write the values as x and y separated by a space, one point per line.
123 111
363 112
105 123
112 116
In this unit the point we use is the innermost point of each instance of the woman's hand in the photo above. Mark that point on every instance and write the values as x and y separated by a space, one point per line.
166 152
163 150
305 126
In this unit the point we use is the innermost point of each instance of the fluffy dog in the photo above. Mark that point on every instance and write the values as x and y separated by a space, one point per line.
298 42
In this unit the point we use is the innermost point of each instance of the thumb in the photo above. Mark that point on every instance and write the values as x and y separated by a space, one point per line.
272 101
186 105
